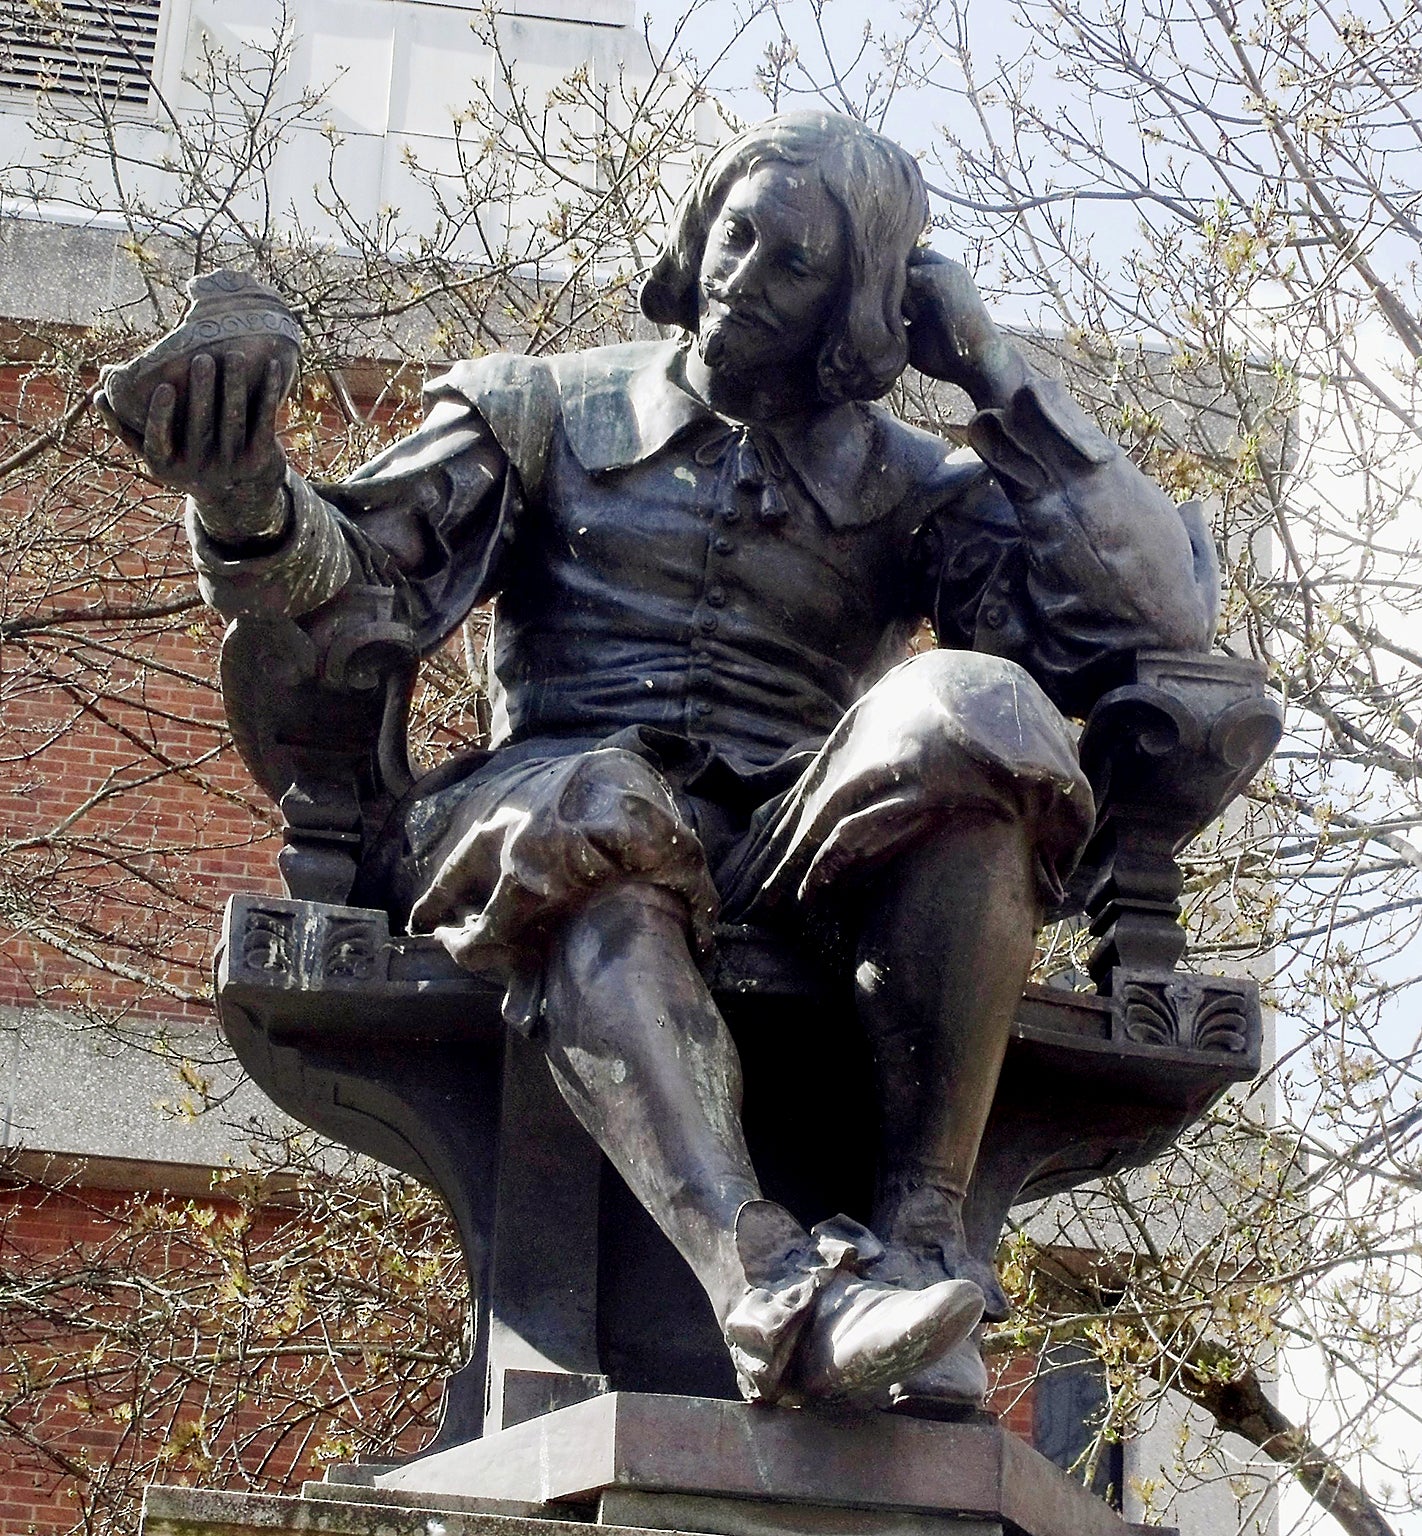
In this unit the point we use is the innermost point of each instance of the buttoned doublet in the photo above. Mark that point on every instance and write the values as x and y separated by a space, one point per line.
699 657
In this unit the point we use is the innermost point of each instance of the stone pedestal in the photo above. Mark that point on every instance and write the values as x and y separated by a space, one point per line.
639 1462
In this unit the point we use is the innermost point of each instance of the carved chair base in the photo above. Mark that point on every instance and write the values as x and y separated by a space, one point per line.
382 1042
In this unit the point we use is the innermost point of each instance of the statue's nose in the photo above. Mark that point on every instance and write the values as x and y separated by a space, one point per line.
743 278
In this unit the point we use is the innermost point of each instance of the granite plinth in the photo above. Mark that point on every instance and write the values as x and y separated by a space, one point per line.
629 1508
197 1512
715 1455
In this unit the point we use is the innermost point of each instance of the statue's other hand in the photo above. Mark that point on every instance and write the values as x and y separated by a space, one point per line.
213 435
951 335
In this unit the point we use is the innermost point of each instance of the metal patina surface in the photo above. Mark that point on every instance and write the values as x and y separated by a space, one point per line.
699 994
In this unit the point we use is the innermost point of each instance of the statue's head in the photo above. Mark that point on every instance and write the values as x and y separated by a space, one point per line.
797 234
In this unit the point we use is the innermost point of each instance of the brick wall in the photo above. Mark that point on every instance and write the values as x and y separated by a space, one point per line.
1011 1394
149 1337
126 817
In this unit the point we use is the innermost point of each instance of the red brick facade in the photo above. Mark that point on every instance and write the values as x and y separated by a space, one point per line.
201 1341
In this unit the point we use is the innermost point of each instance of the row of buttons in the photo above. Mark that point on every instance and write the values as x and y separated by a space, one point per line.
715 596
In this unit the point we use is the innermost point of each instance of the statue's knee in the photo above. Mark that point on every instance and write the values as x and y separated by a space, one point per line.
622 911
634 861
958 673
623 819
955 693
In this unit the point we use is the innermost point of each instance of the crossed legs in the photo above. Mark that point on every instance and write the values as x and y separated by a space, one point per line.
951 779
641 1054
644 1059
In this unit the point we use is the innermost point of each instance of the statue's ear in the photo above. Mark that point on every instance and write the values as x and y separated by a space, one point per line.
664 297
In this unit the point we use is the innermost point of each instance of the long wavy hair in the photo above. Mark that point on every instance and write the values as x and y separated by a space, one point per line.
879 192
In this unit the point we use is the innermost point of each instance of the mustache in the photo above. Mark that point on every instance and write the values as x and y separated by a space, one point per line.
739 311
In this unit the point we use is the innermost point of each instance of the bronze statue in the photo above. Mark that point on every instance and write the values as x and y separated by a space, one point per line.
708 556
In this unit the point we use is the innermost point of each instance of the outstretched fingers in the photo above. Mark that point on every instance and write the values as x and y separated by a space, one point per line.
269 398
213 432
232 411
202 406
159 448
272 393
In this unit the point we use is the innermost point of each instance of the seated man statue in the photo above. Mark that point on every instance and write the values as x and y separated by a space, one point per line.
709 555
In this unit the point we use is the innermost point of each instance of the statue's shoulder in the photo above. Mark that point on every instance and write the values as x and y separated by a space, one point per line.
922 461
608 368
867 464
523 399
516 396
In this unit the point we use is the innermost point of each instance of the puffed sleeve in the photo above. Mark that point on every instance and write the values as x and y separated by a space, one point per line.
431 517
1062 556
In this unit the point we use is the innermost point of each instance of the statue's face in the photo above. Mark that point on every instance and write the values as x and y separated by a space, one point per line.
770 273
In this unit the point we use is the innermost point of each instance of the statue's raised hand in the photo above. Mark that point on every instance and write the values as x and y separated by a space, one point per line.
214 436
201 405
952 336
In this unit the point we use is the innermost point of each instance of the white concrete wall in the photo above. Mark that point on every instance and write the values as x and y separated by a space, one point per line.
1229 1485
392 76
84 1092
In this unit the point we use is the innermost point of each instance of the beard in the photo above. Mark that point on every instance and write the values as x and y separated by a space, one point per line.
736 347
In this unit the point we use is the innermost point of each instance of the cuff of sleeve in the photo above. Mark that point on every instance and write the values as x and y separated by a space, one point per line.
1026 441
1043 404
307 568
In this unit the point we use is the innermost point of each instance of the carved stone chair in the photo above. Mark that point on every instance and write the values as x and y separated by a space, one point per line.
380 1041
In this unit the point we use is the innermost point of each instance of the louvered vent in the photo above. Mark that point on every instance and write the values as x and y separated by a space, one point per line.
79 47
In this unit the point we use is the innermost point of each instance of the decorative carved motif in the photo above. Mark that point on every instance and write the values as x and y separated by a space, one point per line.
1165 754
267 941
280 948
350 948
1187 1012
364 642
320 718
1150 1017
1221 1025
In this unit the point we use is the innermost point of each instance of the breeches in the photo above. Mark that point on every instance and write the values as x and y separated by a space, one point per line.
493 862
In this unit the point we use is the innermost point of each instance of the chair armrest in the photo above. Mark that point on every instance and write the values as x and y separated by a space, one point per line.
319 709
1165 754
